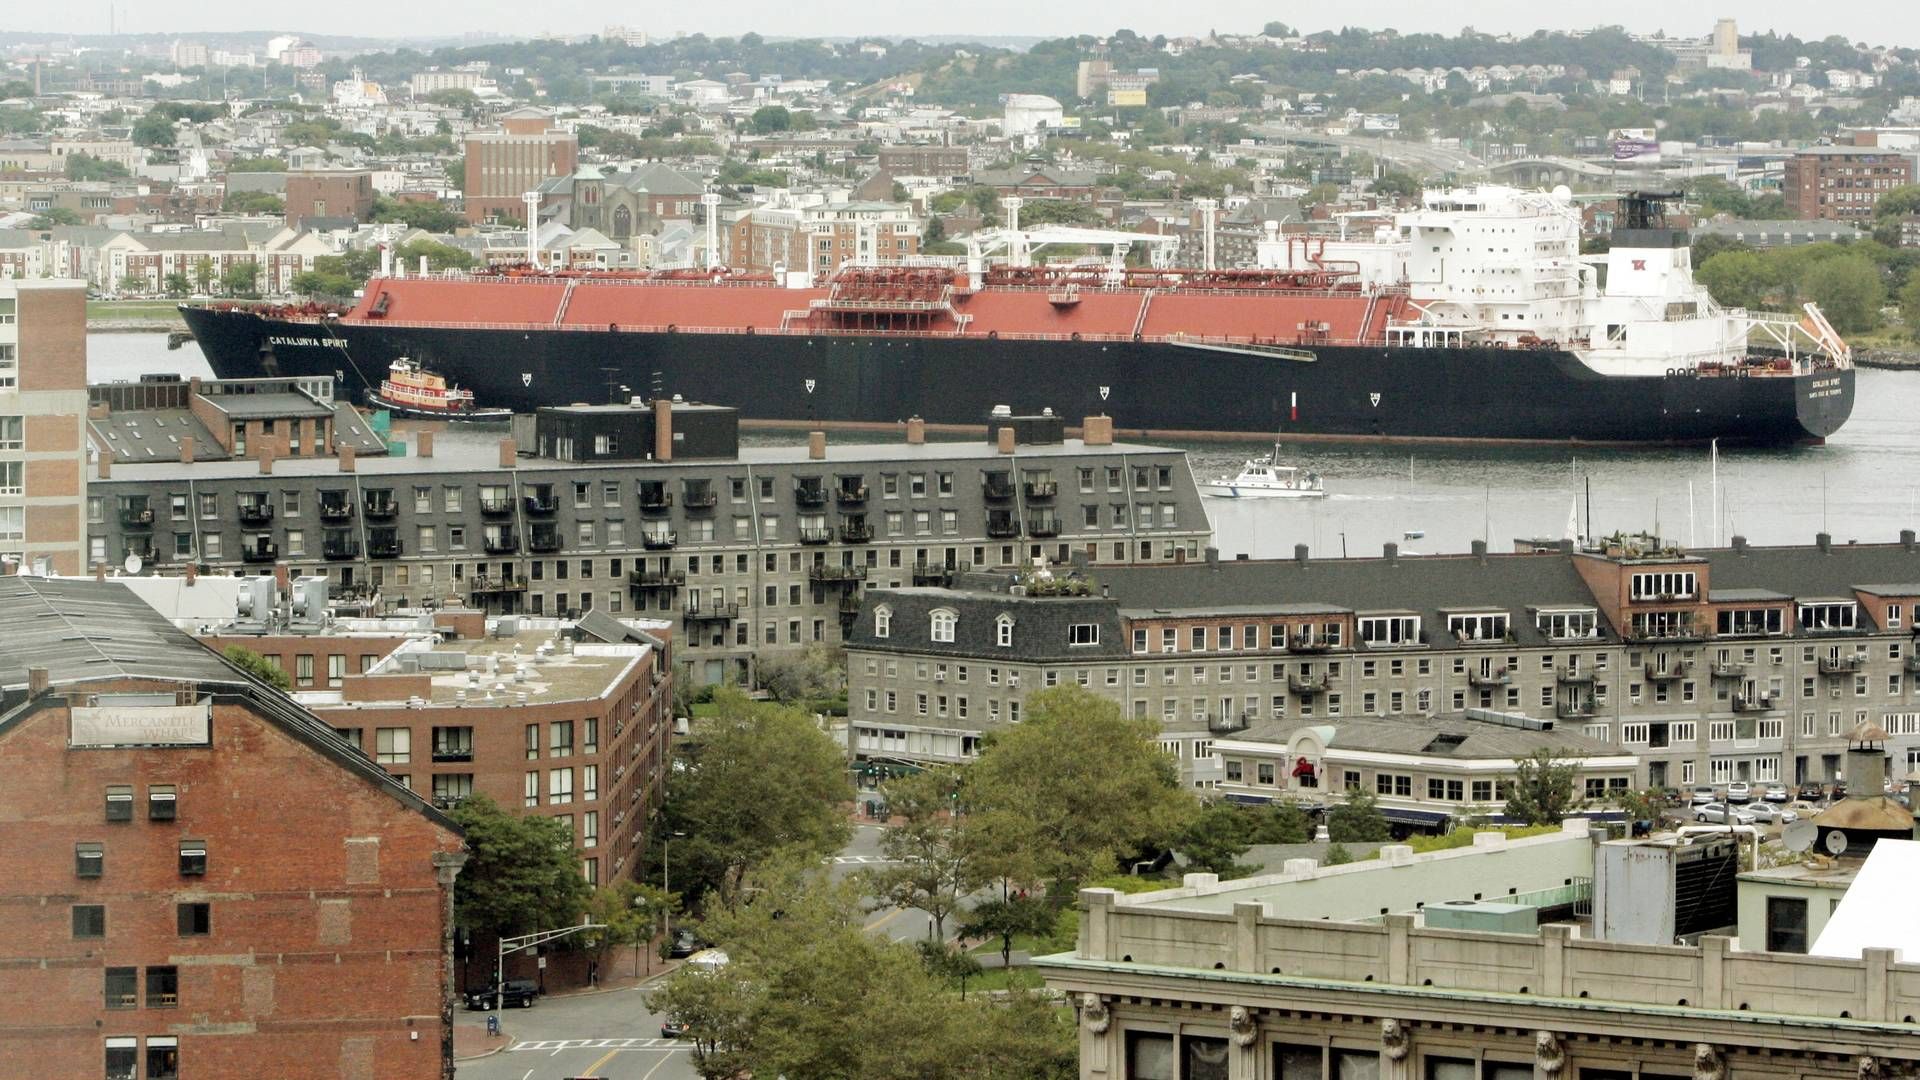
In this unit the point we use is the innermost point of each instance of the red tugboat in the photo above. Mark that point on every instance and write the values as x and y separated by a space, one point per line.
416 393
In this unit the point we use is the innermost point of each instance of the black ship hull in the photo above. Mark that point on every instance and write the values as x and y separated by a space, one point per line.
1153 387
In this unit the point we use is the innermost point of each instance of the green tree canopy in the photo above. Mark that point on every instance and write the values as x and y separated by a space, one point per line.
1542 791
1357 819
522 873
257 666
1075 786
934 863
253 202
433 217
759 781
241 279
256 165
1849 291
811 674
1216 838
58 215
153 130
768 119
88 167
1739 279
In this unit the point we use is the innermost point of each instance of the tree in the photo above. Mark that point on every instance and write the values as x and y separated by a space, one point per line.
1898 203
57 215
433 217
253 202
1075 786
455 98
177 284
1542 791
933 865
1357 819
1399 184
1737 278
1643 805
88 167
240 278
256 164
768 119
257 666
439 256
1849 290
322 283
1338 855
1006 918
153 130
203 274
631 912
131 284
813 673
1216 838
1910 305
948 963
1281 823
735 819
522 873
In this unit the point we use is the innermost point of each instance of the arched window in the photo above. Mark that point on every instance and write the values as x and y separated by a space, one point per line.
943 623
622 222
882 621
1003 631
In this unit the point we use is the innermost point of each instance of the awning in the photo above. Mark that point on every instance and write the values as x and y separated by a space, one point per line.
1425 819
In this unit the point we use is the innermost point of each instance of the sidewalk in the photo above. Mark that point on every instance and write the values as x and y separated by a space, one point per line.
627 981
470 1040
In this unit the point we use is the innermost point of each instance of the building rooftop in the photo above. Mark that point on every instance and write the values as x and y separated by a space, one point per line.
80 629
1454 737
536 660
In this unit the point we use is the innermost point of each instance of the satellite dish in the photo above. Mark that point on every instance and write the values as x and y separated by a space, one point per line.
132 565
1799 835
1836 843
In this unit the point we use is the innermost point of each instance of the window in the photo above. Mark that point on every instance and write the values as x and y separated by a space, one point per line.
1390 630
560 738
163 1058
195 920
193 858
163 987
882 621
943 624
1490 626
1668 585
161 801
1083 634
89 860
393 746
589 783
1786 924
89 920
559 786
119 802
123 988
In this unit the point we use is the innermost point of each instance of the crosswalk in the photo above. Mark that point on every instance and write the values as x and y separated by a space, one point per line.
557 1045
862 860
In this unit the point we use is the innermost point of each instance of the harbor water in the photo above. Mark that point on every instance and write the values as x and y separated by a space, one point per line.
1862 485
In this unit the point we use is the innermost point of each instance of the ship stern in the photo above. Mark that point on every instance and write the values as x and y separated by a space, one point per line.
1823 400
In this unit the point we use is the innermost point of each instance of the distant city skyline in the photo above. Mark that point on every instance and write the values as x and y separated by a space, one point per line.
1877 24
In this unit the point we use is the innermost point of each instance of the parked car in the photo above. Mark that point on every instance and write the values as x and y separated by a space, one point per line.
1776 793
1739 792
1715 813
1838 791
518 993
671 1030
1702 795
1770 814
1813 791
685 944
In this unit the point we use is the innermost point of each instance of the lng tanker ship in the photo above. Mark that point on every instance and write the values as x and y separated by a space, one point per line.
1474 317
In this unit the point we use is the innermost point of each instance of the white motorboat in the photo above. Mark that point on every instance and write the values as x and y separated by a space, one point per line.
1266 478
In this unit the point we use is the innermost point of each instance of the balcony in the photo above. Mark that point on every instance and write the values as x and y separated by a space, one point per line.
1841 665
852 532
1727 669
1573 710
543 541
482 584
1042 489
1567 676
1757 703
851 496
1911 664
1487 680
816 536
449 755
1042 525
655 502
264 551
725 612
542 505
810 496
136 517
340 549
140 548
827 574
378 548
1664 675
1682 633
1305 643
256 513
996 489
659 540
504 542
496 507
336 512
936 574
1000 527
700 499
1309 685
656 579
380 509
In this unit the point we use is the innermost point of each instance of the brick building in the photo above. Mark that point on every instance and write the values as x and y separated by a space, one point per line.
202 879
329 193
823 238
503 165
923 159
43 408
1842 183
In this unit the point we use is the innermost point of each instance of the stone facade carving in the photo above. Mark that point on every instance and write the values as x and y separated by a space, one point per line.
1707 1062
1094 1014
1393 1039
1549 1056
1241 1021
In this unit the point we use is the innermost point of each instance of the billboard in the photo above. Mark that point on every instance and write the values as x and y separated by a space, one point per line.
1638 146
1124 98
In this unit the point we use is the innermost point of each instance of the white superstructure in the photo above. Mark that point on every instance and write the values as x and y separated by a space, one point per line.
1491 265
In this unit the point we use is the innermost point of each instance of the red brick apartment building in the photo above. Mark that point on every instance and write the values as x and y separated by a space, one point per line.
202 880
506 164
1842 183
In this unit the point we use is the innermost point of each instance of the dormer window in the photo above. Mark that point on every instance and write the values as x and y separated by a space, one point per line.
1480 626
1828 615
1003 631
1377 630
1667 585
882 621
943 623
1567 624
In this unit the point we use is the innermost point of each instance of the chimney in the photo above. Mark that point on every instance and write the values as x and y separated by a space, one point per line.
816 445
509 454
1390 551
1740 544
1906 539
283 578
193 386
1005 439
103 465
916 431
186 449
423 444
1213 558
1300 554
1097 430
1480 550
37 681
266 458
662 429
100 571
346 458
1823 541
193 574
